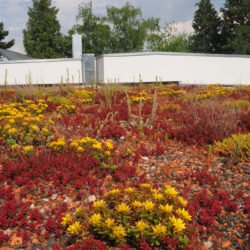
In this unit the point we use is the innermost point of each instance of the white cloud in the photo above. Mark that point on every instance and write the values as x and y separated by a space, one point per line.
184 27
67 13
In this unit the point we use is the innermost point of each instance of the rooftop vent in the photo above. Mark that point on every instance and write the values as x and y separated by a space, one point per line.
77 46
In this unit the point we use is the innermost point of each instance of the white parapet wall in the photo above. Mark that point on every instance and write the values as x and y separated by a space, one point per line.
186 68
44 71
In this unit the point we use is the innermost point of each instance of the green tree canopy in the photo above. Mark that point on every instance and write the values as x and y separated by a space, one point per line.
95 31
128 28
170 40
42 38
206 25
236 26
3 34
176 43
122 30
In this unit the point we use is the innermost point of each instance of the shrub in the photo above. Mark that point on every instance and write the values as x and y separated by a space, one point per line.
132 214
237 147
202 122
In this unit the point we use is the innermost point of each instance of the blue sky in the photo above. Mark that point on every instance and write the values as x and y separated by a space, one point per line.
14 13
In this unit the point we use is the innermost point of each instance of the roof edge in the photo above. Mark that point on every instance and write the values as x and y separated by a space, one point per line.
173 54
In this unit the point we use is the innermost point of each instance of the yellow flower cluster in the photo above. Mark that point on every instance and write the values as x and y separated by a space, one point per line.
213 90
66 220
159 230
95 219
166 208
182 201
123 208
170 191
75 229
148 205
145 185
178 224
23 124
172 92
138 99
28 150
99 204
58 144
110 223
141 226
183 214
129 190
113 192
134 212
65 108
109 144
137 204
236 147
88 143
157 195
118 233
102 148
84 95
141 96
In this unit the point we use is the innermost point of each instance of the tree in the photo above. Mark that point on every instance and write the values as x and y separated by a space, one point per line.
153 34
170 40
67 45
129 30
95 30
3 34
42 38
236 26
206 25
122 30
177 43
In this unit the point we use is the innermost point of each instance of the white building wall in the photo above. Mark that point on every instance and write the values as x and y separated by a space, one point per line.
45 71
132 68
185 68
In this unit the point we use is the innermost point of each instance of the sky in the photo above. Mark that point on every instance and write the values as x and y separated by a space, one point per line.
13 13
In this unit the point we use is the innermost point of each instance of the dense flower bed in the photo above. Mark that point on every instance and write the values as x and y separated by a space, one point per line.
145 167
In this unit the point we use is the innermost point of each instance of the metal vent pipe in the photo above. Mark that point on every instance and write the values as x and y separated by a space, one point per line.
77 46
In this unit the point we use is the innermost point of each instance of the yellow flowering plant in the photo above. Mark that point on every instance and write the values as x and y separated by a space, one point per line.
58 145
84 95
133 213
212 91
24 125
102 150
172 92
236 147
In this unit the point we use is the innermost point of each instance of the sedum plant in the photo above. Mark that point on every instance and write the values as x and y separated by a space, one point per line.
24 125
133 214
237 147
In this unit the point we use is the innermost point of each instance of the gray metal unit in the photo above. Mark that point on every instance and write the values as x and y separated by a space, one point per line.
89 68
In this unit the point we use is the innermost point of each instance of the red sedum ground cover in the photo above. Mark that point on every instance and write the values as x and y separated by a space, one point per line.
63 148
